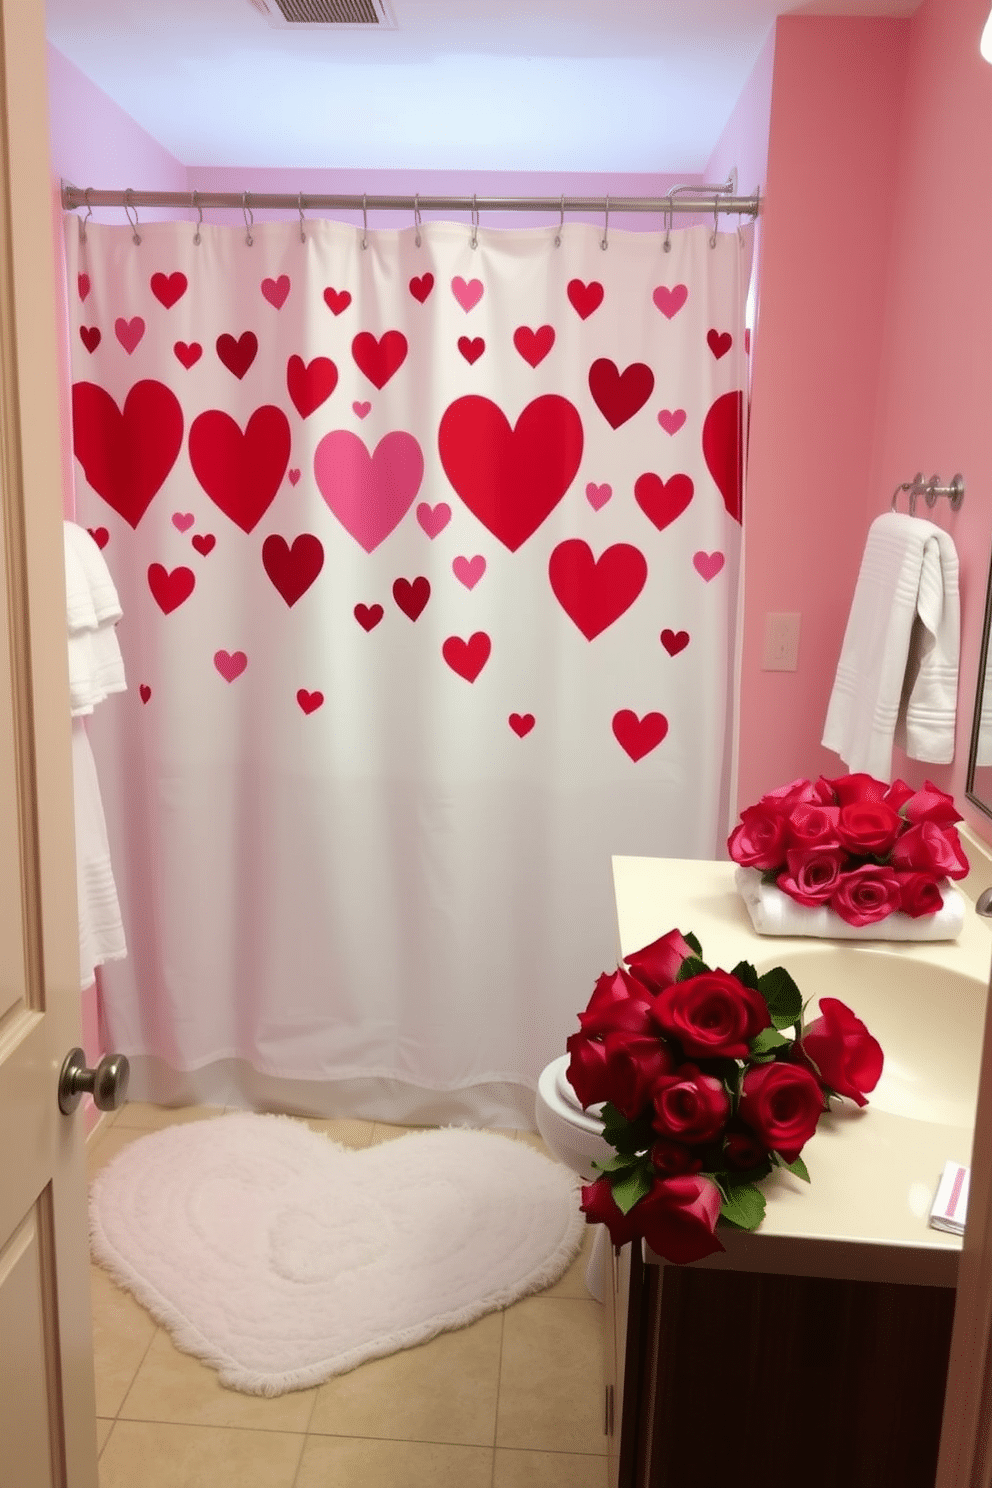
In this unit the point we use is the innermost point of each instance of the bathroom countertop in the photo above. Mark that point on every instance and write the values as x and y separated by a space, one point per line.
873 1173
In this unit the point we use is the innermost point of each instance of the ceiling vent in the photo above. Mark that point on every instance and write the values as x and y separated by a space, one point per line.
287 15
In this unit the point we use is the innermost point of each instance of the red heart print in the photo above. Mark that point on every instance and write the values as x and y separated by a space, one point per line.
467 658
336 300
584 298
292 569
276 290
129 332
238 355
594 592
240 472
189 354
126 456
145 692
421 286
230 664
638 736
433 519
532 345
168 288
521 723
83 285
674 641
511 479
379 359
293 476
170 589
471 350
203 542
670 301
100 536
183 521
467 294
412 595
722 444
619 395
90 337
663 501
309 701
719 342
368 616
310 383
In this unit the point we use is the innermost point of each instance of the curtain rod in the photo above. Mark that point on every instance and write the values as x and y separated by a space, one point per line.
700 200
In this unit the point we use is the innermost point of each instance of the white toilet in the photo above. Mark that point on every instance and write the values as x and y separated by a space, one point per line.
576 1138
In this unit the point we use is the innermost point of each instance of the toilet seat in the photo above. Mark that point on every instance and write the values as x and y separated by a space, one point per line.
565 1089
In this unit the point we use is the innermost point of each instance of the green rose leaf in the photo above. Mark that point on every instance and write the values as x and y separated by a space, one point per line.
626 1136
745 973
634 1184
692 966
798 1167
691 940
768 1039
785 1003
616 1164
744 1206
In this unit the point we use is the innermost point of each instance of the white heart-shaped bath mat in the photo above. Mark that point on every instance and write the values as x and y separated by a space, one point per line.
281 1258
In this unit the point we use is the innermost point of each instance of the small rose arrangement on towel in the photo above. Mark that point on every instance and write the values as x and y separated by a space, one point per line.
703 1092
856 844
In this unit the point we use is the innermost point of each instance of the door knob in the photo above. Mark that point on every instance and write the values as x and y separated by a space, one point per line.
107 1084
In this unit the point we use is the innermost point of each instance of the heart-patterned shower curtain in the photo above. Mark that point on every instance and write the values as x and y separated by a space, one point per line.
427 543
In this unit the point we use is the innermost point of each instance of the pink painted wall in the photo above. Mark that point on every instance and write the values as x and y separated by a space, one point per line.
830 196
935 403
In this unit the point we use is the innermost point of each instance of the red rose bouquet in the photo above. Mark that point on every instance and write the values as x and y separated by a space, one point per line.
703 1091
856 845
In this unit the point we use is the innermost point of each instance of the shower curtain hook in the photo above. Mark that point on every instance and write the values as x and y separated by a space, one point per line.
606 227
129 207
249 217
561 222
199 223
365 222
669 215
303 236
416 218
716 221
475 222
89 214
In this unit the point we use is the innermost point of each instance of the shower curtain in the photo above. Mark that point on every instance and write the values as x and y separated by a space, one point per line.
428 545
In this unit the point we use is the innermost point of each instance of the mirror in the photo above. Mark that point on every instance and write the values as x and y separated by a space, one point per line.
978 787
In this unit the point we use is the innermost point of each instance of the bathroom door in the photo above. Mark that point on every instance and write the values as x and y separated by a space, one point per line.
47 1413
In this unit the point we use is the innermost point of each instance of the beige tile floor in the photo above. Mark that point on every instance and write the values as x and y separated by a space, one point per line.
513 1401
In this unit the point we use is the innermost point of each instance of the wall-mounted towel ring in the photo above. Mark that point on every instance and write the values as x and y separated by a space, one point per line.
930 490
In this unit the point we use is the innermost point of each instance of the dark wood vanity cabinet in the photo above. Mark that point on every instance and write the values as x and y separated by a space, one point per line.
764 1380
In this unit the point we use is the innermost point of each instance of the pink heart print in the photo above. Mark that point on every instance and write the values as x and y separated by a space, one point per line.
433 519
361 410
129 332
276 290
230 664
671 419
182 521
293 476
670 301
469 571
707 565
468 294
598 496
369 493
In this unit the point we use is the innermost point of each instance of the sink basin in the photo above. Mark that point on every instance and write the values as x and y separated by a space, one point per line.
929 1020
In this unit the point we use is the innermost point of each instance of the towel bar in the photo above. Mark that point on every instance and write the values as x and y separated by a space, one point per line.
930 490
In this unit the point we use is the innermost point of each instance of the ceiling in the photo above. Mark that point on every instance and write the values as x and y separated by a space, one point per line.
522 85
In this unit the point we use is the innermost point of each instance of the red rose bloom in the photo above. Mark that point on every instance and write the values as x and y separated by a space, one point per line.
760 840
690 1106
678 1217
848 1058
798 792
866 895
600 1207
741 1149
781 1103
618 1002
813 826
920 894
622 1068
929 848
672 1158
812 874
868 828
657 965
930 804
712 1015
850 789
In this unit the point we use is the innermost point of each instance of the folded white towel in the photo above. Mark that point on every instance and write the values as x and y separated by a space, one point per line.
775 913
106 605
101 933
898 670
96 667
80 611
